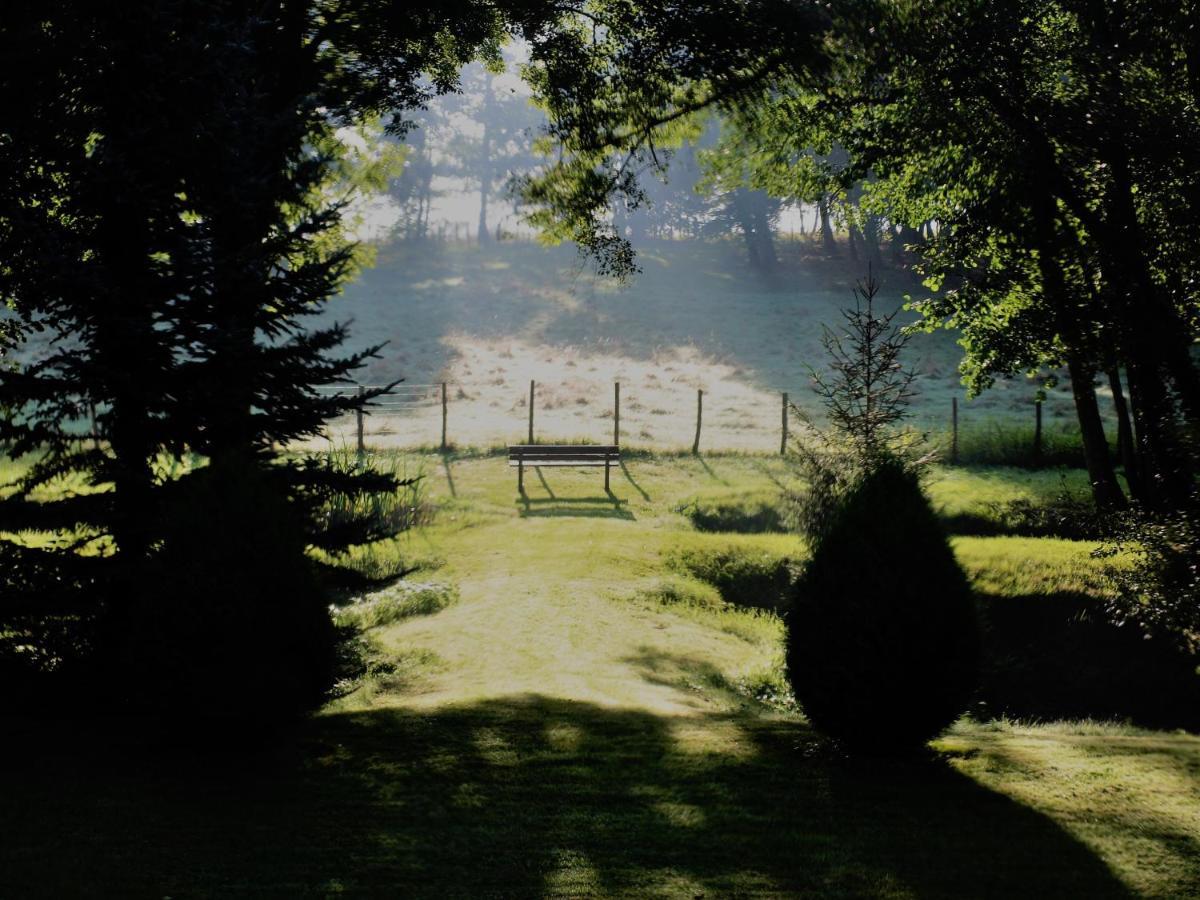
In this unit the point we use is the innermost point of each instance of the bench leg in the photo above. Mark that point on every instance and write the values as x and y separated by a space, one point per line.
520 477
606 478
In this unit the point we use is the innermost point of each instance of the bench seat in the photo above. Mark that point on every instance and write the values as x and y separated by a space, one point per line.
564 455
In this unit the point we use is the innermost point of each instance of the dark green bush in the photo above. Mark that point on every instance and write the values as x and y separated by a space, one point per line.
228 618
1159 593
883 636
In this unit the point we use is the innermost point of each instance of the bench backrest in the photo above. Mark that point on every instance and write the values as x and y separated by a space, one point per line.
534 453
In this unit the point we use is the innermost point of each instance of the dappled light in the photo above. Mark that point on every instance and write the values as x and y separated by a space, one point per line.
600 448
558 797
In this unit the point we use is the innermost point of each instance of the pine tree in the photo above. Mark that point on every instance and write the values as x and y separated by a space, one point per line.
167 225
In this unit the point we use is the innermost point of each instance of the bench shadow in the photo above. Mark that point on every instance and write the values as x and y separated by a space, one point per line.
608 507
527 796
637 487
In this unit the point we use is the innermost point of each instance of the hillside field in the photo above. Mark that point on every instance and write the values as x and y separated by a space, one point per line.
487 321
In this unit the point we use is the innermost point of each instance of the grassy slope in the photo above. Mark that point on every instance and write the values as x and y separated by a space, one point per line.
490 320
545 737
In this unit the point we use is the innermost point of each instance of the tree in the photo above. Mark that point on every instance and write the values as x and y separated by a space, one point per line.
883 637
867 394
492 137
167 220
1012 125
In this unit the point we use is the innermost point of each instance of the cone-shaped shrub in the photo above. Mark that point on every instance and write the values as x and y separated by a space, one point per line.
883 637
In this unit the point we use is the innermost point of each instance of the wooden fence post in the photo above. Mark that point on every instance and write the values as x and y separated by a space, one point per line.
443 416
699 419
1037 432
362 447
617 413
531 410
783 440
954 431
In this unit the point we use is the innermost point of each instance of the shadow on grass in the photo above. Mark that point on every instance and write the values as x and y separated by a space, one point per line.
1058 656
449 474
709 470
525 796
583 507
637 487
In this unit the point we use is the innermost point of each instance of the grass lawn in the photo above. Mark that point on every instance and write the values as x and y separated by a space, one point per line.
588 719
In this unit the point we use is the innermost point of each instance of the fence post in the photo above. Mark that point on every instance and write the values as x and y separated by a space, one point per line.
95 427
443 416
617 413
699 419
531 411
783 441
954 431
1037 432
362 447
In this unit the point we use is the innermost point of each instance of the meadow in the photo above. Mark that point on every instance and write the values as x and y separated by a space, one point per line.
489 320
575 700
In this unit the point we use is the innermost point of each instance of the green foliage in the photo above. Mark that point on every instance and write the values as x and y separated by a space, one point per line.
1159 594
1065 515
683 592
230 618
361 516
882 646
744 575
702 602
394 604
743 515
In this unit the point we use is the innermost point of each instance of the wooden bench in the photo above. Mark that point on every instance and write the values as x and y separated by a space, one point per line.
538 455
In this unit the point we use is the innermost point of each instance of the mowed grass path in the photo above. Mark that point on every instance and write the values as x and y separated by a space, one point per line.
550 736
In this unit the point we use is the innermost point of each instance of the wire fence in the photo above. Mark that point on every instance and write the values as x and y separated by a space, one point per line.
675 417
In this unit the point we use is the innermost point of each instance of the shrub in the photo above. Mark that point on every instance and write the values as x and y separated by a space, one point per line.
744 575
744 515
369 513
398 602
228 618
1159 594
1066 515
683 592
883 639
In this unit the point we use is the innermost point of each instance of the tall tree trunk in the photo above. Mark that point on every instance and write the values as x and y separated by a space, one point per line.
1106 490
763 233
127 349
828 240
907 237
485 161
853 239
761 253
1164 479
871 238
1125 437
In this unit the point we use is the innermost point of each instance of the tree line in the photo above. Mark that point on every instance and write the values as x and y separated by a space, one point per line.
1053 142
